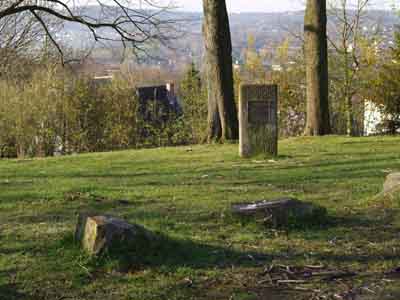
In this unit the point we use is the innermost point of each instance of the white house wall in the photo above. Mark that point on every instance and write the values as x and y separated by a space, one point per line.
372 118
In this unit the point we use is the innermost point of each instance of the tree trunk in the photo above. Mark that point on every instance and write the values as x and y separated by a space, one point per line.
316 57
349 115
347 95
222 112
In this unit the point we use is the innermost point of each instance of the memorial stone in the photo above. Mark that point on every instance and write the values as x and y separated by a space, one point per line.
258 118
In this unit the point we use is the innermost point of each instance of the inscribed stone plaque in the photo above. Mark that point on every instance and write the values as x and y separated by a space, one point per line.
258 117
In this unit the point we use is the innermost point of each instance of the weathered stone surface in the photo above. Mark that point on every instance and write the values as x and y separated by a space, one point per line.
258 120
99 233
392 183
279 212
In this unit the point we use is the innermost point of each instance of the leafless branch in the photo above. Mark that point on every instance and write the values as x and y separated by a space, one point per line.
116 21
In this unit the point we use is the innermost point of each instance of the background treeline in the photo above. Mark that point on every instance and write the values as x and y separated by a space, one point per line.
53 111
46 109
364 80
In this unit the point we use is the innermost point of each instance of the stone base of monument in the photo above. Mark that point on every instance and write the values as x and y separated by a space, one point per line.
392 183
281 212
99 233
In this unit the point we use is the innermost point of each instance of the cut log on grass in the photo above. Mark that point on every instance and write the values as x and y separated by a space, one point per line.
98 234
392 183
280 212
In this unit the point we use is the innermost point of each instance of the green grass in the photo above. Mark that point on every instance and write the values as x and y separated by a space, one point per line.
186 196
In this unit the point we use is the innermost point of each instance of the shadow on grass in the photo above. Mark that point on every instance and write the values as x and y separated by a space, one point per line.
367 226
223 290
10 292
167 254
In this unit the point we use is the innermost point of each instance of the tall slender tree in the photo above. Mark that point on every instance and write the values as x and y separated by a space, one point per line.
222 112
316 56
348 47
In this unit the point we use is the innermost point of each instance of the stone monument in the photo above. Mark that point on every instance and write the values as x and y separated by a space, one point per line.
258 120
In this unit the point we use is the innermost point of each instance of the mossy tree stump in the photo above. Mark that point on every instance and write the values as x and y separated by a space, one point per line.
98 234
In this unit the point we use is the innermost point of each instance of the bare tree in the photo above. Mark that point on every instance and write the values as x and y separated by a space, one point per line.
115 20
21 37
17 33
316 56
222 112
347 47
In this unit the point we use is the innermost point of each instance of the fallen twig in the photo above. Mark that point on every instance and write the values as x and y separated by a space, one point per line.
291 281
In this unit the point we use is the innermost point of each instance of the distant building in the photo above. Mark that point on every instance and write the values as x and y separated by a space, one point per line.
237 66
373 118
162 95
102 80
366 118
277 68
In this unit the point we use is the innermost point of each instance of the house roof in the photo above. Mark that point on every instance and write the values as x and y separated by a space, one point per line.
159 93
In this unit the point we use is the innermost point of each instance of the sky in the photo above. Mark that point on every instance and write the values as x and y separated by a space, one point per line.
269 5
246 5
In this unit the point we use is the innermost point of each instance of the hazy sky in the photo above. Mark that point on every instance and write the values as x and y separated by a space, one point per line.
246 5
268 5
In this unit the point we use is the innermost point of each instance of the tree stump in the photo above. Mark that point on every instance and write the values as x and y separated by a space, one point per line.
279 212
99 233
392 183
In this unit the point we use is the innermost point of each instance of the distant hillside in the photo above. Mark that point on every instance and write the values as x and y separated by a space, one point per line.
268 29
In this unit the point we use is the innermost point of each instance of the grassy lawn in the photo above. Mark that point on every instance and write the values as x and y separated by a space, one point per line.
186 196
